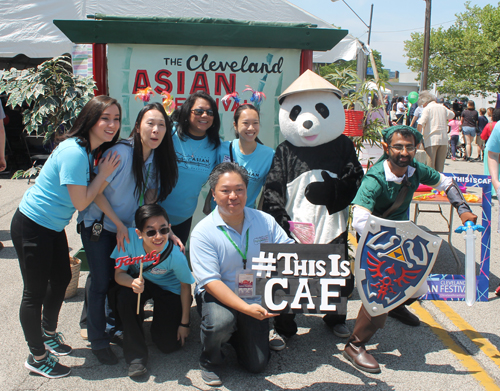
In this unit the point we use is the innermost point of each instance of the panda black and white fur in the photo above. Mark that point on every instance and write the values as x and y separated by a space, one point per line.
315 173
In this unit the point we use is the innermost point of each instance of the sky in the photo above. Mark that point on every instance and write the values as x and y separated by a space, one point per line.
392 22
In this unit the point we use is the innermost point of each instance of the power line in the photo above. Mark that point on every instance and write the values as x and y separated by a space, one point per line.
418 28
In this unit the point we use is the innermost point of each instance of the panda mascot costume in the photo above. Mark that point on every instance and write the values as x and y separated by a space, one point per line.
315 174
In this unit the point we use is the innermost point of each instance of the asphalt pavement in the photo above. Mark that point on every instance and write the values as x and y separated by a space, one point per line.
455 348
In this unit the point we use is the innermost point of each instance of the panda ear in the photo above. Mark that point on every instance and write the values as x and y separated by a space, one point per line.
281 100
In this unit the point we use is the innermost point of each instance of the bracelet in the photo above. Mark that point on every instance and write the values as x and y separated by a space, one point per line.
186 325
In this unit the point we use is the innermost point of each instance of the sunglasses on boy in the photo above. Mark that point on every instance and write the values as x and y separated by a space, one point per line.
199 112
162 231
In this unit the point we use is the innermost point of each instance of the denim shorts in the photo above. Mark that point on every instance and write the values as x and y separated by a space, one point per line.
469 130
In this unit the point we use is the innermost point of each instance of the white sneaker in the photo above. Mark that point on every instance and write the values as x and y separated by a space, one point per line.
276 341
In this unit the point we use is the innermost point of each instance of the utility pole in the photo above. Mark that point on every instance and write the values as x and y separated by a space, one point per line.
427 39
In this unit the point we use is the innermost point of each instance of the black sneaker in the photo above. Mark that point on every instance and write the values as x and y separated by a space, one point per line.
136 369
210 378
55 344
48 367
105 356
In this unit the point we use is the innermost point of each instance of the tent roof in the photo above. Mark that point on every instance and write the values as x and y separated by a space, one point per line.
27 25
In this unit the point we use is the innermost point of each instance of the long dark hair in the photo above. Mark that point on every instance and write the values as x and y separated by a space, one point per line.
164 159
237 113
87 118
182 114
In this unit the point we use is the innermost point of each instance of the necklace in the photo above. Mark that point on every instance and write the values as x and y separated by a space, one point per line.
191 149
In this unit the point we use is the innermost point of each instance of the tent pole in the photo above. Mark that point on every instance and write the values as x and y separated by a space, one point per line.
99 68
306 60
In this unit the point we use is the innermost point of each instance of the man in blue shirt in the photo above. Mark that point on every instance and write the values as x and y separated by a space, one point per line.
222 247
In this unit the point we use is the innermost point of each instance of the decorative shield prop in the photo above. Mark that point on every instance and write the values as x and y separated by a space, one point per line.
392 260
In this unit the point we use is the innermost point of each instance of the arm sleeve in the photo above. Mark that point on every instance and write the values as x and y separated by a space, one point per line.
359 218
424 117
450 114
181 268
204 259
73 167
368 193
493 143
428 176
275 190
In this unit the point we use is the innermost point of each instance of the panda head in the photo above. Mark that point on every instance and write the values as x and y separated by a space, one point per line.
311 118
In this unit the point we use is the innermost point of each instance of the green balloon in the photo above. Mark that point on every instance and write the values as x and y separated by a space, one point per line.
413 97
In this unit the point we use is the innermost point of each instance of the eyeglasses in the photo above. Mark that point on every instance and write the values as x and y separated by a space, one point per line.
199 112
153 232
399 148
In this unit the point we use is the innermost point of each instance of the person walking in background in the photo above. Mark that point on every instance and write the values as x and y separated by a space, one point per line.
64 184
3 163
400 111
485 135
470 119
455 126
481 123
433 125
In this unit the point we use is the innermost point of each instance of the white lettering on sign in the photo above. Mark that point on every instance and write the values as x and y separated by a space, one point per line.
303 292
326 294
264 264
268 294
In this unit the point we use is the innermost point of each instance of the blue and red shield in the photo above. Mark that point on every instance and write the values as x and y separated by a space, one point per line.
393 260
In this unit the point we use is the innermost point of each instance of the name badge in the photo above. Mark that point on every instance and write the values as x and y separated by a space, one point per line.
245 284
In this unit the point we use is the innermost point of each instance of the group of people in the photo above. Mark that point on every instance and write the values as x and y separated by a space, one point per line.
136 198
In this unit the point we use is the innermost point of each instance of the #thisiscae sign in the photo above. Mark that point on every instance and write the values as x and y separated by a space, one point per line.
296 278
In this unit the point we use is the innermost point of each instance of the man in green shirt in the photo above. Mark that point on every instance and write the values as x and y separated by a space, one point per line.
378 195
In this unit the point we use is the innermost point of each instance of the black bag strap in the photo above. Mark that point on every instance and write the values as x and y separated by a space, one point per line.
399 198
164 255
231 152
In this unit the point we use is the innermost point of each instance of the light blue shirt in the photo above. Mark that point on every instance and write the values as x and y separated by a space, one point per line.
196 160
120 191
48 203
258 164
168 275
214 258
493 143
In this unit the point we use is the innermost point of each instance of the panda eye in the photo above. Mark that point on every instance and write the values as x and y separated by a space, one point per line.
322 110
294 113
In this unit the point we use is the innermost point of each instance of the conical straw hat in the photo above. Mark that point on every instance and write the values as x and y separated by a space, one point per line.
310 81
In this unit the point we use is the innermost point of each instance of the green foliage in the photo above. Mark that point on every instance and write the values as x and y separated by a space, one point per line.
464 59
347 81
30 172
341 64
53 94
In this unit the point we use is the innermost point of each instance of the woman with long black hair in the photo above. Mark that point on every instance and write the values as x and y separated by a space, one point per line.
63 185
196 138
147 173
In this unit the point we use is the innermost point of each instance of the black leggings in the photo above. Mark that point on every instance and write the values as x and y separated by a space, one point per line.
44 261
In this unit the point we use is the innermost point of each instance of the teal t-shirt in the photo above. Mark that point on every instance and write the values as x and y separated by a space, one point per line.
258 164
168 274
196 159
377 194
48 203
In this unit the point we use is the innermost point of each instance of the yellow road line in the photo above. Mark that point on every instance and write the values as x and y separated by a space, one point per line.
483 343
475 369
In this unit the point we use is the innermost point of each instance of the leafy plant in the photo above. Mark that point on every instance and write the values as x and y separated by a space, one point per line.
52 95
31 172
356 93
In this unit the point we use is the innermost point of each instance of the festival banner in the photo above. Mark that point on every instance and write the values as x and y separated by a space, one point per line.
451 287
183 70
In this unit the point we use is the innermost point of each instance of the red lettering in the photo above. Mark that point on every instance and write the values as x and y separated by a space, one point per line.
141 80
221 81
181 81
161 78
179 101
200 83
226 104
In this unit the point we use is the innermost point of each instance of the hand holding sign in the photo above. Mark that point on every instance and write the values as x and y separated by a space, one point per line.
258 312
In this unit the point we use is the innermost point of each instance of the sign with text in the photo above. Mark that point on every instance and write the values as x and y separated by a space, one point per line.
183 70
302 278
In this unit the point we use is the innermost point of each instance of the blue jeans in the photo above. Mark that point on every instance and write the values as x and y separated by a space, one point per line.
102 270
220 324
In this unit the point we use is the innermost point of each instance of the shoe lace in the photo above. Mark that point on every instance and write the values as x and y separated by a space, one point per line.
57 337
51 360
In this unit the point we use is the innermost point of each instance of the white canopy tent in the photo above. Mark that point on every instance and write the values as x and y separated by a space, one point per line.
27 26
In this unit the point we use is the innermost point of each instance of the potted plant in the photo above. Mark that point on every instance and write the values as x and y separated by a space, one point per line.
51 95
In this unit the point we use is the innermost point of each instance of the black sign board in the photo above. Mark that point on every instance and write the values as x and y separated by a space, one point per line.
302 278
